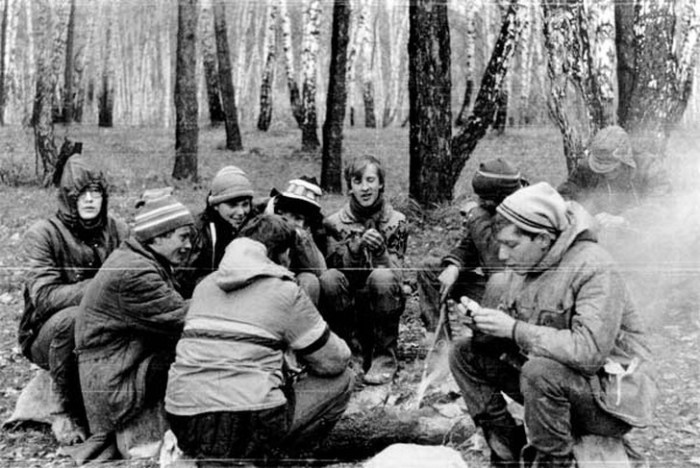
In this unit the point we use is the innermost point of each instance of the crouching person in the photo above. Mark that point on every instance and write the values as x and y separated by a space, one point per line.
578 359
64 253
364 299
130 320
230 394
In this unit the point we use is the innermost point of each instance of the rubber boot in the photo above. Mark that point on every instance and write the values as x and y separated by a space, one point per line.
505 439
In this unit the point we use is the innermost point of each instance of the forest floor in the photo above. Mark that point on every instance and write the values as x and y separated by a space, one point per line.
659 253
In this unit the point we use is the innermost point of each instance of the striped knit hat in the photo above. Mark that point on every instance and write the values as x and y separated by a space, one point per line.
537 208
158 212
496 179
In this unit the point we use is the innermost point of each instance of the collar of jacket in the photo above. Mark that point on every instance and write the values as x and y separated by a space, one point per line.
347 217
144 251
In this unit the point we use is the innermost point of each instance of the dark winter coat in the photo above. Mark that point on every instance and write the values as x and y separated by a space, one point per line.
210 236
574 308
129 312
478 247
62 255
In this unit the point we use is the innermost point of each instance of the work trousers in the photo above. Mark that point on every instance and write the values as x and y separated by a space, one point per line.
314 406
364 308
559 401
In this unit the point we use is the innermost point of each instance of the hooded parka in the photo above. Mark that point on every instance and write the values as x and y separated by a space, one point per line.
64 253
575 308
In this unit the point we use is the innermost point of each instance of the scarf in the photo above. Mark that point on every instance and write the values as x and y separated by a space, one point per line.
369 216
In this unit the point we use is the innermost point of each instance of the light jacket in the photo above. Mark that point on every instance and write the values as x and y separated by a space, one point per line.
575 308
129 312
242 320
343 225
62 257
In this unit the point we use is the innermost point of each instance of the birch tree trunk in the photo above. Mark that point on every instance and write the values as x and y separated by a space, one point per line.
484 108
367 46
526 65
470 47
331 158
3 60
398 25
228 93
287 46
655 77
429 87
309 59
52 16
69 68
105 103
211 78
268 75
354 46
186 107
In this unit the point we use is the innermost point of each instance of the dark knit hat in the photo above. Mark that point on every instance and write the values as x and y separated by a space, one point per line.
158 212
537 208
610 148
496 179
229 183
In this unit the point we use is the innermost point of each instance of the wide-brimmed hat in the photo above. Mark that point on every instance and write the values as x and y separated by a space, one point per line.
304 192
610 148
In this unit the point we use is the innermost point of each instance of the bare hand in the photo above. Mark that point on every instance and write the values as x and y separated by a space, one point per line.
493 322
447 280
373 240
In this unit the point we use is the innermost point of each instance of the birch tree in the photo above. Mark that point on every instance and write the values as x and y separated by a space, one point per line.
657 43
331 159
485 104
69 90
211 78
469 12
309 60
105 101
186 107
290 69
398 27
3 52
228 93
367 51
268 75
429 87
52 17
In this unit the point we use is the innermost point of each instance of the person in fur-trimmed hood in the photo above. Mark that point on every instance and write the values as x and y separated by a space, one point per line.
364 298
64 252
578 357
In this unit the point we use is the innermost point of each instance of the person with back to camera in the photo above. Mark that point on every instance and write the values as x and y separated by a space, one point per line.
130 319
229 394
229 206
467 268
64 253
366 244
578 357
